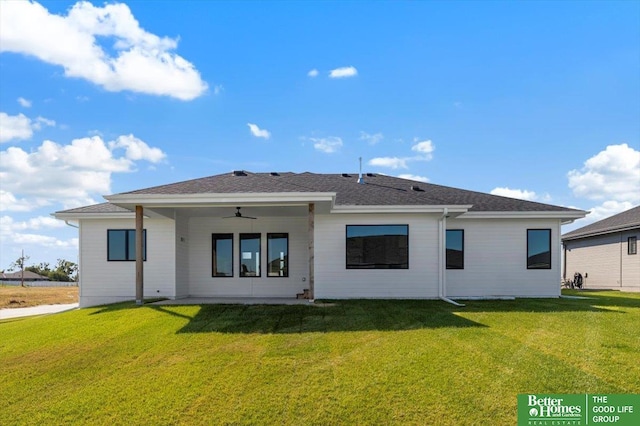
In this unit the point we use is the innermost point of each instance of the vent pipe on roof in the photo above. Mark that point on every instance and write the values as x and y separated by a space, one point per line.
360 179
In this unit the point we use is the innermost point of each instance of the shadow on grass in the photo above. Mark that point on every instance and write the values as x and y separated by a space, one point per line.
356 315
364 315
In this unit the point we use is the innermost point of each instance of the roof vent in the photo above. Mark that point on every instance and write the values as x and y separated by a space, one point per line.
275 174
238 173
416 188
346 175
371 175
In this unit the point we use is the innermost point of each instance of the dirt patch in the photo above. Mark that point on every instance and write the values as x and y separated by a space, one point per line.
23 297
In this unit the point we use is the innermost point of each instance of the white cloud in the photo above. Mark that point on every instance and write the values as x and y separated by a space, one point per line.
20 127
9 202
10 231
258 132
371 139
40 121
137 149
142 62
391 162
424 149
44 241
25 103
612 175
14 127
7 224
602 211
327 145
607 209
521 194
414 177
217 89
68 174
343 72
313 73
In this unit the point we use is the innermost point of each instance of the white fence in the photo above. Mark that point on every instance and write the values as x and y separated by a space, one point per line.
41 283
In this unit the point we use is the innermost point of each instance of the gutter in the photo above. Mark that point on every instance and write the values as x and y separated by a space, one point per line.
71 225
442 276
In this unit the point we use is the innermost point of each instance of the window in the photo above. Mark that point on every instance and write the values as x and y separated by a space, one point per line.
222 245
121 244
377 246
278 255
538 248
455 249
632 245
249 255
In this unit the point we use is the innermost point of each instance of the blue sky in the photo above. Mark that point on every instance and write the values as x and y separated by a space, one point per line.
535 100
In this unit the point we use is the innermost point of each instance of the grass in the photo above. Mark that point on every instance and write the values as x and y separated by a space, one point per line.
22 297
350 362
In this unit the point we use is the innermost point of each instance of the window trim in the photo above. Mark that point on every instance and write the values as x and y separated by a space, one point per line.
550 249
270 234
346 255
634 245
445 249
214 238
255 235
126 245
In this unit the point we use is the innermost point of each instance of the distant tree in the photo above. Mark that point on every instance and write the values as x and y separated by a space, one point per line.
65 271
19 265
42 268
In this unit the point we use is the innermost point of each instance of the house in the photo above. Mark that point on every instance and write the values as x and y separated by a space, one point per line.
606 252
244 234
17 276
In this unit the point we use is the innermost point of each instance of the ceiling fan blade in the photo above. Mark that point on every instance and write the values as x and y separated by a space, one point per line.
239 214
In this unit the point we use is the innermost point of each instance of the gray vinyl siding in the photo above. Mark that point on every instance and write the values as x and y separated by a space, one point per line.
495 260
104 282
604 260
202 284
334 281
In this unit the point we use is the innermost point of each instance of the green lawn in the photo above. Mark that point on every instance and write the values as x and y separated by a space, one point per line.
350 362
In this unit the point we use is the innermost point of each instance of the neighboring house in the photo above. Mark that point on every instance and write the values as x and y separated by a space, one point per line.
606 252
334 234
17 276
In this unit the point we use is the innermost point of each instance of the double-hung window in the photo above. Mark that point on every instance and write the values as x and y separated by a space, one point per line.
538 248
121 244
377 247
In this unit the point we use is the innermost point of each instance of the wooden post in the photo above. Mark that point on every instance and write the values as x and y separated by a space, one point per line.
139 257
22 269
311 226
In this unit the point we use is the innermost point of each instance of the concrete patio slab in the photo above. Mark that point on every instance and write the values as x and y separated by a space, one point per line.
235 301
35 310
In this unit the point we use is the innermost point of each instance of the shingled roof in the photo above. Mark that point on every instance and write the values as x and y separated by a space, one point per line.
377 190
629 219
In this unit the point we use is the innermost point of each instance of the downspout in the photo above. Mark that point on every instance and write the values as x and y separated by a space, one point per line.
71 225
442 252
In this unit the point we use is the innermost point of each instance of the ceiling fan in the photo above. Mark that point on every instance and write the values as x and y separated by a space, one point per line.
239 214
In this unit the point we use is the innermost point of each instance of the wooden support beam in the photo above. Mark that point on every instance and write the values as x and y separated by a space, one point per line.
310 229
139 257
